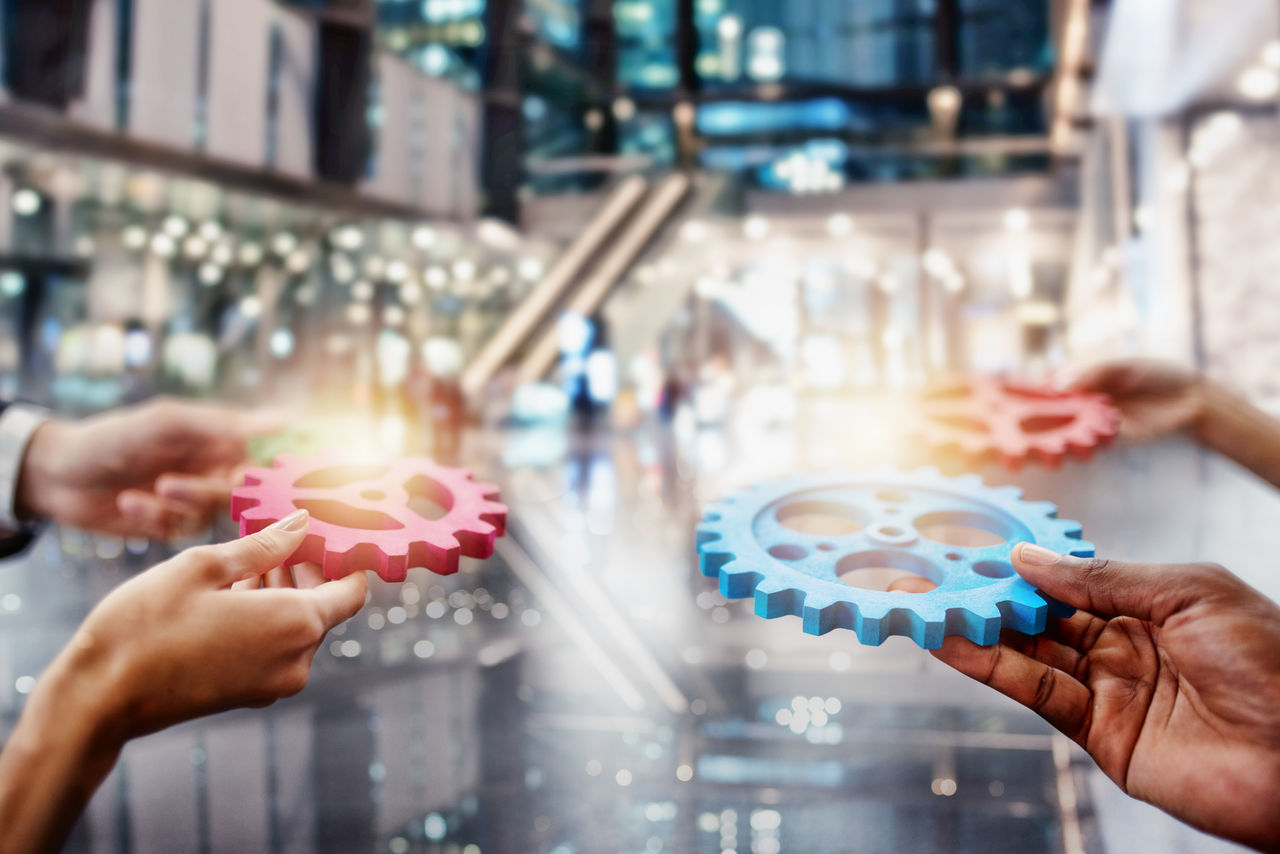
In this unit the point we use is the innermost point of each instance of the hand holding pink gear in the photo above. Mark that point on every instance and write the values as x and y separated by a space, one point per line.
361 513
988 416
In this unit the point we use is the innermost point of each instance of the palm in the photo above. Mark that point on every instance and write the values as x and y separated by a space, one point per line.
1167 720
1179 708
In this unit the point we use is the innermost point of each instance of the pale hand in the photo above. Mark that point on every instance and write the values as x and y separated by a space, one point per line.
215 628
156 470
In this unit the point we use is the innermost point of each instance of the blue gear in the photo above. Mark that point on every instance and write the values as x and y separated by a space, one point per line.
745 542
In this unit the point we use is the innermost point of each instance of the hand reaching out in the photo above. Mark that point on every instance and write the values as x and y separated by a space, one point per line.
155 470
190 637
1169 676
1156 398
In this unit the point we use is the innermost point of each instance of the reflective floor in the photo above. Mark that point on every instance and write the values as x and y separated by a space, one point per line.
587 690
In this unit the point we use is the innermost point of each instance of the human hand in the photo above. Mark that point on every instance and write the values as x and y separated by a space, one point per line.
189 637
1156 398
1169 676
156 470
192 636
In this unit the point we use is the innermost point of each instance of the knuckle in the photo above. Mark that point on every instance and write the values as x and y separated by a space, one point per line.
294 679
1213 576
313 629
1044 689
204 558
1096 566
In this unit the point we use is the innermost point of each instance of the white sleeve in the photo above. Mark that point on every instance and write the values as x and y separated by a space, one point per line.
18 423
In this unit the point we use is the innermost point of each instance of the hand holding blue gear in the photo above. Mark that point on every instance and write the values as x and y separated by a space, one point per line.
875 519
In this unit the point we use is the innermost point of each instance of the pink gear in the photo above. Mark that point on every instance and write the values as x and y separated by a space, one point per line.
361 516
991 417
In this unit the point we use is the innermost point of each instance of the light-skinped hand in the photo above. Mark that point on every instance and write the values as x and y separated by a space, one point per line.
189 637
156 470
1155 398
1168 675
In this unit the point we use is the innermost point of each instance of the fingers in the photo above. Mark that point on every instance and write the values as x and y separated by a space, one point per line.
340 600
1107 378
255 555
146 515
1150 592
308 575
206 494
1051 693
303 576
280 576
216 421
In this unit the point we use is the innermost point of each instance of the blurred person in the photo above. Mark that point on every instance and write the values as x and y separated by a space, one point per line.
215 628
1158 398
159 469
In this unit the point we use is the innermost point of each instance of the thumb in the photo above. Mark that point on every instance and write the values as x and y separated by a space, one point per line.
1111 588
255 554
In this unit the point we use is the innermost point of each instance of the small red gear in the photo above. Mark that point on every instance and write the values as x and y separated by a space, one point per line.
361 516
992 417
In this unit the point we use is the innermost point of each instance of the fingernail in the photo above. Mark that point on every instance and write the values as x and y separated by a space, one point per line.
295 521
1037 555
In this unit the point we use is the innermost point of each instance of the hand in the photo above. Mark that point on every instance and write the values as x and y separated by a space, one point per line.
197 627
1156 398
189 637
1169 676
156 470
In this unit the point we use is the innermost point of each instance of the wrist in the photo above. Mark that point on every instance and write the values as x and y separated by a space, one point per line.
39 476
80 695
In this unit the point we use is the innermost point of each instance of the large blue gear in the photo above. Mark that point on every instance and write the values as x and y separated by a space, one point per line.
745 542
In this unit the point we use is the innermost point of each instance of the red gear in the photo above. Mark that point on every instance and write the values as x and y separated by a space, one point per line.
380 531
991 417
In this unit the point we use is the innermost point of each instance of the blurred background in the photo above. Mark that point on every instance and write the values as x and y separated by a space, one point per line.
621 256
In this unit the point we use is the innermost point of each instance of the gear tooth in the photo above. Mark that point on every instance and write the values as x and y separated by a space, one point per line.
713 554
738 582
969 481
1047 509
707 532
978 623
821 615
774 599
1025 610
1070 529
1009 493
1083 548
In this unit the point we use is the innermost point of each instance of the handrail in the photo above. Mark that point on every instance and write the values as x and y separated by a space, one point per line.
656 210
520 324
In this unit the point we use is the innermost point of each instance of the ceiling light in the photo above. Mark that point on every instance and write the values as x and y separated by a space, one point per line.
1259 83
